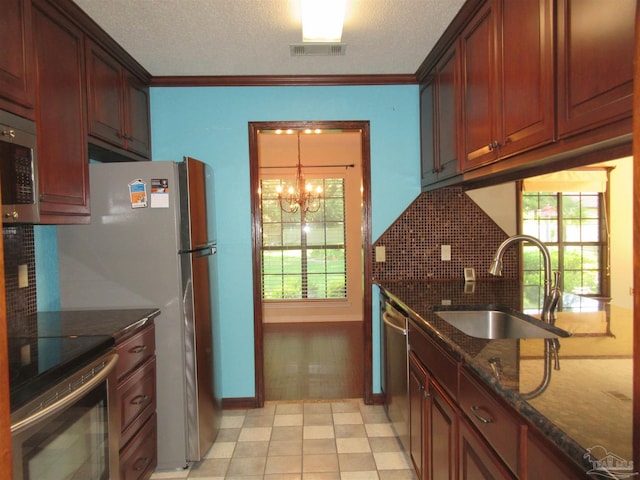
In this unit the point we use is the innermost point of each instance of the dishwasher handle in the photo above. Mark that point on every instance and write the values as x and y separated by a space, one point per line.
388 320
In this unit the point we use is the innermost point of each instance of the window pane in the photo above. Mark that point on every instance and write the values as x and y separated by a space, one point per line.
292 260
316 261
271 235
315 234
336 262
303 267
271 262
334 209
590 257
590 231
290 234
292 286
335 233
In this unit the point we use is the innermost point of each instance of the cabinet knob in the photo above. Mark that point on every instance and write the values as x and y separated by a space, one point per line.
12 215
426 394
493 145
9 133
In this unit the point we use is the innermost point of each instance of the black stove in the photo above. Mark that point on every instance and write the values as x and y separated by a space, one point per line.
38 363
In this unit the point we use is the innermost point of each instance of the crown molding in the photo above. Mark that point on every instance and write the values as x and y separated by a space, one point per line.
281 80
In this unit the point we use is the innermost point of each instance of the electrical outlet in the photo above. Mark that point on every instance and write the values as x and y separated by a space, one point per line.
445 253
380 253
23 275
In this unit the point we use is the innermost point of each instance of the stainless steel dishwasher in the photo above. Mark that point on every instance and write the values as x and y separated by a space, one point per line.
395 380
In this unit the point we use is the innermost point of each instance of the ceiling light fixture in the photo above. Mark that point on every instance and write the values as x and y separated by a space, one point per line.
322 20
302 197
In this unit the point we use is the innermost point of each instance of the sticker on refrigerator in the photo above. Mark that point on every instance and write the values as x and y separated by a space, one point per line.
138 194
159 193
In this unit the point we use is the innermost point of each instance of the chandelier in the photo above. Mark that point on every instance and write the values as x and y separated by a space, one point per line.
303 197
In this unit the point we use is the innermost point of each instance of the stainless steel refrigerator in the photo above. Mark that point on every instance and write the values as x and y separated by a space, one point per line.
149 244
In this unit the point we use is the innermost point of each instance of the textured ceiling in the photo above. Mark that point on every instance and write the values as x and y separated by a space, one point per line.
252 37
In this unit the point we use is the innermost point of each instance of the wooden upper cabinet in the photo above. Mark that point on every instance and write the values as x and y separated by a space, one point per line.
137 116
118 103
440 119
507 80
17 93
595 63
63 169
479 88
527 75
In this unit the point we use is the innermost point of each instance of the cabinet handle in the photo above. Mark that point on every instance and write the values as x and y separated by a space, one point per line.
141 464
475 409
425 394
138 349
139 399
9 133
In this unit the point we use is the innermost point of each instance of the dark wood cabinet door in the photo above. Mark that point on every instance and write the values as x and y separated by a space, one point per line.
428 161
418 415
16 58
105 96
477 460
526 75
62 144
595 63
545 462
443 443
480 102
136 124
447 113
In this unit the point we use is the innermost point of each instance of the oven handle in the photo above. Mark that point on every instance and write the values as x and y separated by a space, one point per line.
67 400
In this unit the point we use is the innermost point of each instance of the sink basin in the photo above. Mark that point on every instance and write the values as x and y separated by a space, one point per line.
497 323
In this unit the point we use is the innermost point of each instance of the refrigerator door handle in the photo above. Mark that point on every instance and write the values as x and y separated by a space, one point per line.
203 250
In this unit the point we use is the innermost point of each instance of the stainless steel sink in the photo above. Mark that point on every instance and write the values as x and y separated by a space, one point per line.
496 323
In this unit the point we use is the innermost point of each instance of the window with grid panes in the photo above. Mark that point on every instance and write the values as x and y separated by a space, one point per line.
304 253
573 227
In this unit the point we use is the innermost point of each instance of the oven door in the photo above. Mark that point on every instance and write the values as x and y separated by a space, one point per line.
71 431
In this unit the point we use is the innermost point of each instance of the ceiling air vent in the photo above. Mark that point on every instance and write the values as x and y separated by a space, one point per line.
317 49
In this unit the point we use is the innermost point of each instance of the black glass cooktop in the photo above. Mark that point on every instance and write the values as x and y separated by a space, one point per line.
38 363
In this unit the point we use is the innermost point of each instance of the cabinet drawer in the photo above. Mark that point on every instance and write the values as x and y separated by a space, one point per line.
139 458
500 428
135 350
443 367
137 394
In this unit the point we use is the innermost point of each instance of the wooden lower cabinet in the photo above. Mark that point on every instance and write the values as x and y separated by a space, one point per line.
433 425
477 461
443 434
137 401
460 429
139 458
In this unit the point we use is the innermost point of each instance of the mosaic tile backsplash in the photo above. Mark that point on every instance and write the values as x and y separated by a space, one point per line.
19 249
445 216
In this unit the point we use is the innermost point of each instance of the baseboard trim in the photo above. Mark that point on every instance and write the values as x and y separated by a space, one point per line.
239 403
378 398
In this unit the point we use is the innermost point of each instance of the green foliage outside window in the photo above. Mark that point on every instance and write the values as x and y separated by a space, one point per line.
571 225
304 254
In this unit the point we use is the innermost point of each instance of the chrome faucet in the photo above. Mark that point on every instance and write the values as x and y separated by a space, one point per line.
550 303
551 289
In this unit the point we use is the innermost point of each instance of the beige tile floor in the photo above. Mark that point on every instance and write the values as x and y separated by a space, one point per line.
331 440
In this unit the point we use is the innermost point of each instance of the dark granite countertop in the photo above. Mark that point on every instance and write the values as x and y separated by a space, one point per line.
587 403
118 323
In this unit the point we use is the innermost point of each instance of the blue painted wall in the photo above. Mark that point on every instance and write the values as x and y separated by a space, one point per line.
211 124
